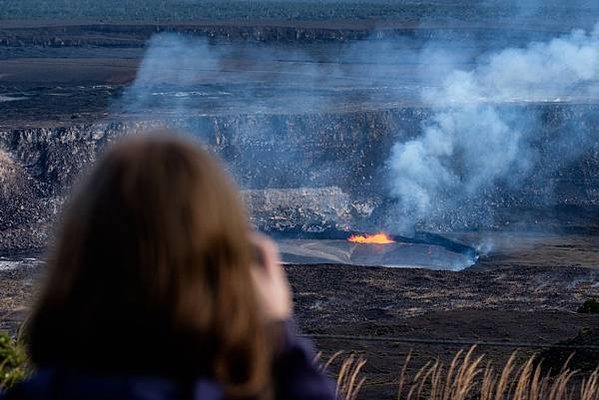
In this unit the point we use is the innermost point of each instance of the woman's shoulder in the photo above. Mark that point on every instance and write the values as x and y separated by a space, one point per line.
61 384
295 377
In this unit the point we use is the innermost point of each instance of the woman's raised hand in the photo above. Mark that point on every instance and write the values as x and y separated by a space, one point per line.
270 280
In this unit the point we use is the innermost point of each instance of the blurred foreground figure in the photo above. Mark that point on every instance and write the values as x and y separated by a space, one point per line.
157 289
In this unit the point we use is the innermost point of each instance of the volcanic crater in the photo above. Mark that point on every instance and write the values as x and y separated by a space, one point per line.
313 176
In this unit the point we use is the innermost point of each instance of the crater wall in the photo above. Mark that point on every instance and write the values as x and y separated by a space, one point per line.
299 171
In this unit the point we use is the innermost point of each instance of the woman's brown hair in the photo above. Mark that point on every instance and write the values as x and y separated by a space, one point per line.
151 272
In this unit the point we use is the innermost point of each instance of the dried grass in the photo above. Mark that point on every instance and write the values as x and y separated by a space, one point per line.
469 377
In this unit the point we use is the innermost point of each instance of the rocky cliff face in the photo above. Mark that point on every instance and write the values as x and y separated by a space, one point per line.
135 35
304 171
308 210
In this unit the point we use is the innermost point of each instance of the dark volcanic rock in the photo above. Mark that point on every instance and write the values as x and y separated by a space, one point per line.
17 189
582 359
136 35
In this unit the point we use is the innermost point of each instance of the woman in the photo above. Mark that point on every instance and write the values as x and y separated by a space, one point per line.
158 289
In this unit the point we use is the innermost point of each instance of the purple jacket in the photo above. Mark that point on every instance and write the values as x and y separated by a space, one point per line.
295 378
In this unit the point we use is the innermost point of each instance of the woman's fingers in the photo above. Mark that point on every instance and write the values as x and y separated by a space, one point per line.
269 253
271 283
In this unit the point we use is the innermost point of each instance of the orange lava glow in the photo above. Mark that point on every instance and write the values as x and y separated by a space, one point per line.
379 238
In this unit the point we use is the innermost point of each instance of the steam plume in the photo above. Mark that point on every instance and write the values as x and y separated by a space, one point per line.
477 141
471 142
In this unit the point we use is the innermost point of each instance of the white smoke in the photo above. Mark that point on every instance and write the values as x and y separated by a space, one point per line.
179 69
471 142
470 147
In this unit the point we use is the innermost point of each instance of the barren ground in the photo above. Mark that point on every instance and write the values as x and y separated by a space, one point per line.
527 294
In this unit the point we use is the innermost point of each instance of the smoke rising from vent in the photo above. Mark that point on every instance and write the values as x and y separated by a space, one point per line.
477 139
473 142
179 71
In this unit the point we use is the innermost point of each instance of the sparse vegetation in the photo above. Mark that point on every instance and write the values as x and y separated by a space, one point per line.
471 377
584 361
186 10
319 10
466 377
590 306
13 361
